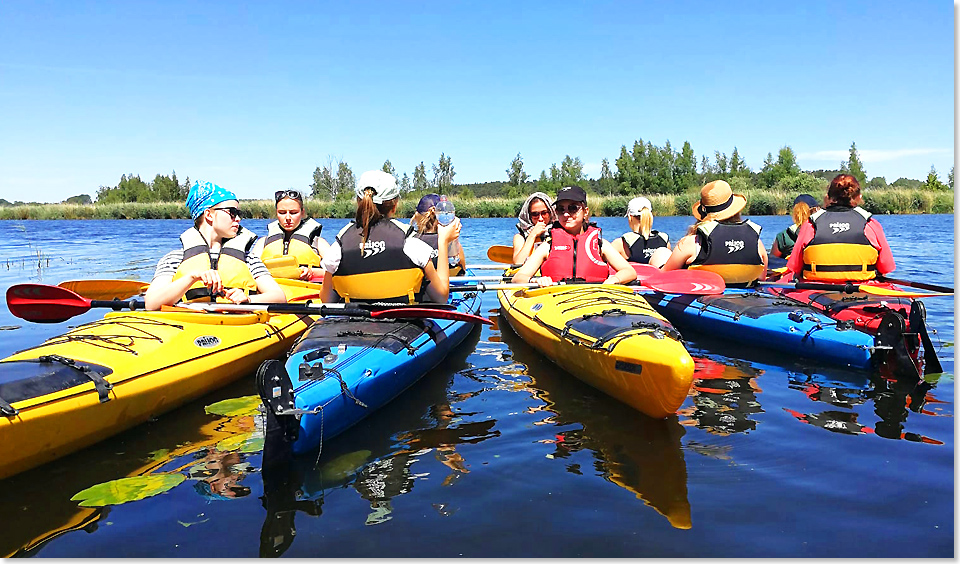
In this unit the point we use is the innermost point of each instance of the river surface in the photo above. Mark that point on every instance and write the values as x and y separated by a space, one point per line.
498 452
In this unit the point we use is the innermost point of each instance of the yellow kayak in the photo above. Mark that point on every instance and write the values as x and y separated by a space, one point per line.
610 338
106 376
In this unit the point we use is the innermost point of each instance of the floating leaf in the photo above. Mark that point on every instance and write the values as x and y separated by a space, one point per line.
234 407
247 442
344 465
125 490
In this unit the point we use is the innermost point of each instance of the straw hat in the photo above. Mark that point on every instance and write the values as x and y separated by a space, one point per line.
717 199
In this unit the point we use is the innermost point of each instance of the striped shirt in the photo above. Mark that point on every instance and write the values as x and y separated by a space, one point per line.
168 265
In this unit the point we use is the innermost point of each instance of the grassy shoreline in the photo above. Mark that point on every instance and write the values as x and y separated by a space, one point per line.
759 202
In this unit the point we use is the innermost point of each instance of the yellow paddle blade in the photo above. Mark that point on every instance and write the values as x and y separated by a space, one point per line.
105 289
500 253
878 291
283 267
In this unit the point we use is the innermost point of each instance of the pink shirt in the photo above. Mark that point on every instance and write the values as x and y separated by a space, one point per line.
874 233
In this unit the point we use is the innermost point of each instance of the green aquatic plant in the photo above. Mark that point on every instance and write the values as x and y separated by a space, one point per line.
126 490
234 407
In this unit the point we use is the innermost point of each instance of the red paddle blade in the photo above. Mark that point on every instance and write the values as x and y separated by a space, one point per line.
428 313
699 282
41 303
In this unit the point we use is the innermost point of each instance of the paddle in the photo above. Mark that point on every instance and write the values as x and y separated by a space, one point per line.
500 253
106 289
42 303
849 288
921 285
700 283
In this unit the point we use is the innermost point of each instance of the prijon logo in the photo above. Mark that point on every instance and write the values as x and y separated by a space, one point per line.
734 246
562 248
372 248
206 341
839 227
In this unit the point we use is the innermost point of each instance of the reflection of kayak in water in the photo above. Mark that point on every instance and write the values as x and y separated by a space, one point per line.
638 453
724 397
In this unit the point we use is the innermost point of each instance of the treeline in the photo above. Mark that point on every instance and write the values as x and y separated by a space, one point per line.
132 189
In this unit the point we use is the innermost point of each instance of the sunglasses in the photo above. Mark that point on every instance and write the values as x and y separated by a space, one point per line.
292 194
571 209
535 215
234 212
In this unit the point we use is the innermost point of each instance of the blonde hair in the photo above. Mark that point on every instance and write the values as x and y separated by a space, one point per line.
801 213
426 222
645 217
369 213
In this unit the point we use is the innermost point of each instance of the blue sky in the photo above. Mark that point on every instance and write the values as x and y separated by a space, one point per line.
254 96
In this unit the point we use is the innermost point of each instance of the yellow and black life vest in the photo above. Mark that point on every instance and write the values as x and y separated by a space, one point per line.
730 250
640 249
298 243
380 271
231 264
433 239
840 250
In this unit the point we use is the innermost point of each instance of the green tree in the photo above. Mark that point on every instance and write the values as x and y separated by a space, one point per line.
853 166
721 159
346 181
405 184
877 182
515 174
324 185
950 179
571 170
81 199
626 170
685 169
388 168
737 165
420 183
443 174
933 181
607 184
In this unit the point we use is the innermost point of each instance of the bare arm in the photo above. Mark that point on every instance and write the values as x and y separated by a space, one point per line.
685 251
522 247
167 291
532 265
618 246
625 273
268 291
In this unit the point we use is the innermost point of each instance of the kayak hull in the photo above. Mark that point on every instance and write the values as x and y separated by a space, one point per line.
342 369
608 337
149 363
764 320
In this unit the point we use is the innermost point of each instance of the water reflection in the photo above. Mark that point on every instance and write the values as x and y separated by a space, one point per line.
724 396
638 453
420 422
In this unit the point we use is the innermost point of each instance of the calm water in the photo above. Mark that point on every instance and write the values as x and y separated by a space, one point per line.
501 453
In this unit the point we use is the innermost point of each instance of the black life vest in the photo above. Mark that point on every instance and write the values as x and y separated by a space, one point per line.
730 250
433 239
640 249
575 257
840 250
380 271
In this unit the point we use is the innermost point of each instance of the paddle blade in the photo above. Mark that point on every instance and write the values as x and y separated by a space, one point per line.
105 289
698 282
42 303
500 253
428 313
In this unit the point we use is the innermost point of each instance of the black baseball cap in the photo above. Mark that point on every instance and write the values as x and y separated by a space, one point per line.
807 199
572 193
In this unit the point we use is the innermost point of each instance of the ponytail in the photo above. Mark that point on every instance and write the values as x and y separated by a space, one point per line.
369 213
426 221
801 213
646 222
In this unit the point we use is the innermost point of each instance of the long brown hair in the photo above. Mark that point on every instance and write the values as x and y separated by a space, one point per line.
801 213
426 221
369 213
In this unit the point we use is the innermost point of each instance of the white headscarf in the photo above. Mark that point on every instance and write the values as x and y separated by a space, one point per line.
524 222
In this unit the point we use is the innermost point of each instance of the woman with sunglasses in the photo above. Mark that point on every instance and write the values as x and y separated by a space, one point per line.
215 259
292 236
373 260
577 250
535 217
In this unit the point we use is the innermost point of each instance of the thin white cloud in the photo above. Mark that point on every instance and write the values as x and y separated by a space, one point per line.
870 155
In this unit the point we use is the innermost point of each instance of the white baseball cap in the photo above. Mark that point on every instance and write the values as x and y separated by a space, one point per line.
384 185
637 204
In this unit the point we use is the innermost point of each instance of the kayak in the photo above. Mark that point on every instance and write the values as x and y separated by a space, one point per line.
103 377
765 320
607 336
342 369
864 310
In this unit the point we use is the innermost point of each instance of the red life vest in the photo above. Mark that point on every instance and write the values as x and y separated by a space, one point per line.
575 257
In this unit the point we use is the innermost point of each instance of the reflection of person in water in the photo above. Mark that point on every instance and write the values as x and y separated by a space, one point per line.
724 397
219 475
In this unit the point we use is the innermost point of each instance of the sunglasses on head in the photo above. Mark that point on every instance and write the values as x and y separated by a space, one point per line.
292 194
536 214
571 209
234 212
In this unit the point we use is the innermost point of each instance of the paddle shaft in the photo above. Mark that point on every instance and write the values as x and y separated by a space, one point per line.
921 285
849 288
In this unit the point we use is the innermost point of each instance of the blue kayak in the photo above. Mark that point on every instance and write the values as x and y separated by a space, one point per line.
344 368
752 318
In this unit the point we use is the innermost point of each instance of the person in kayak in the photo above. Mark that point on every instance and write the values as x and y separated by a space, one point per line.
642 243
372 259
215 259
722 242
423 226
841 242
576 250
534 220
803 206
292 235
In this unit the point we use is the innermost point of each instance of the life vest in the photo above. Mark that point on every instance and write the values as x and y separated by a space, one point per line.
231 264
640 249
575 257
433 239
730 250
381 271
298 243
840 250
